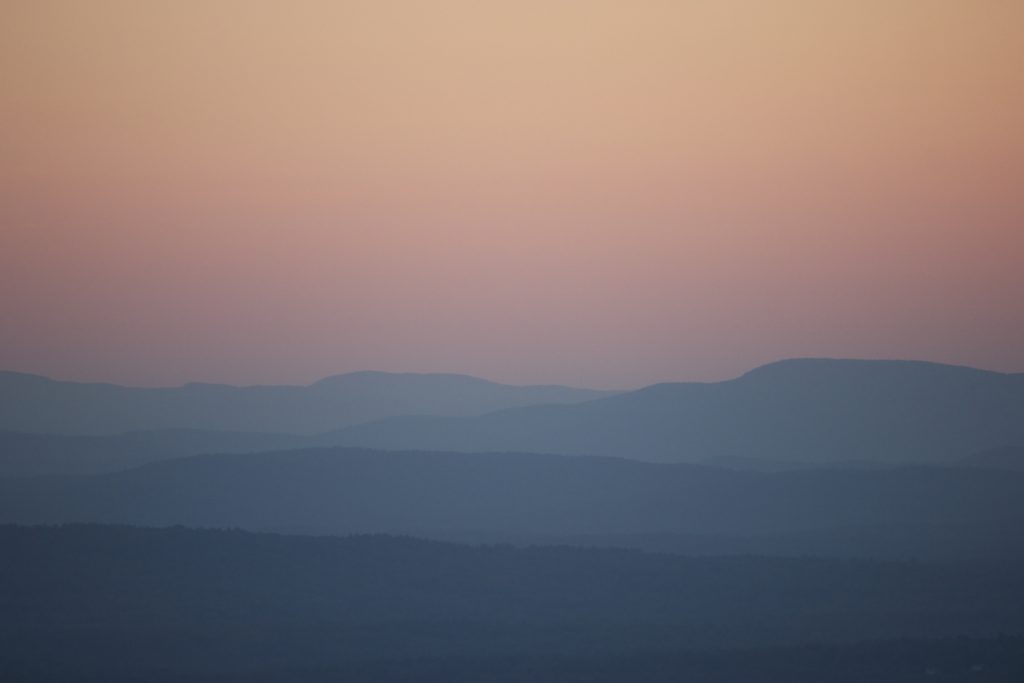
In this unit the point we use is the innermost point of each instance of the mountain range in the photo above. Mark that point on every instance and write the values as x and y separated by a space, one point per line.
923 512
31 403
172 604
787 415
849 520
802 411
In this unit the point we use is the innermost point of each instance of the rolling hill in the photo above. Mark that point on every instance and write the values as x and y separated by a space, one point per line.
26 455
800 411
952 513
30 403
101 603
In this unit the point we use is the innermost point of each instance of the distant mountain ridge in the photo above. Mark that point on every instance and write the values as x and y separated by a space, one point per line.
25 454
786 415
804 410
901 512
32 403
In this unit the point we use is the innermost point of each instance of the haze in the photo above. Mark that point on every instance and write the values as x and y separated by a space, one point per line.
594 193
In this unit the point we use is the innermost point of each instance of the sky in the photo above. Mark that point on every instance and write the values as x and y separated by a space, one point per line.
588 192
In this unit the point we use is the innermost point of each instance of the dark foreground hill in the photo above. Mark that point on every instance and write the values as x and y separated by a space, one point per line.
100 603
30 403
813 410
948 513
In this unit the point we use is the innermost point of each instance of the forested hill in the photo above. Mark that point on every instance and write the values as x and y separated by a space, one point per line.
119 601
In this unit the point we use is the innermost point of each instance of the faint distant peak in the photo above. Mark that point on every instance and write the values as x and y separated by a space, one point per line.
802 367
380 376
357 380
12 376
207 386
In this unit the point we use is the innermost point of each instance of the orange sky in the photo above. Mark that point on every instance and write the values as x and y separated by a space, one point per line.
579 191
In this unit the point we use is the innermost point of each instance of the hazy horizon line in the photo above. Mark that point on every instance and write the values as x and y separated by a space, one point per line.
477 377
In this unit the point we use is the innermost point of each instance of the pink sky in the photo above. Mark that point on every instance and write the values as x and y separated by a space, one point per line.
586 192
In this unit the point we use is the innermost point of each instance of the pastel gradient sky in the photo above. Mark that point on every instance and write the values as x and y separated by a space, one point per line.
574 191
